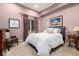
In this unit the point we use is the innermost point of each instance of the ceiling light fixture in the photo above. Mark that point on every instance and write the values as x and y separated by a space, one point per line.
36 6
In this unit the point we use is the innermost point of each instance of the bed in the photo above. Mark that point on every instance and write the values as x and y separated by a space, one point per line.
44 41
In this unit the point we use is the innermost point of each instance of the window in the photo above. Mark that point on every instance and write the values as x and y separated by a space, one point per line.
31 24
32 27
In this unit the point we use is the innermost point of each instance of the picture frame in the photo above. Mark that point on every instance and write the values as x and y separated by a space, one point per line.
56 21
14 23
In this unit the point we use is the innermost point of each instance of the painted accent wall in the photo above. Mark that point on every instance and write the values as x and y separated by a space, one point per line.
7 11
70 18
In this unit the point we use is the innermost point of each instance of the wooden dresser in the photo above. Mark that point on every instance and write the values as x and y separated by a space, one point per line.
1 48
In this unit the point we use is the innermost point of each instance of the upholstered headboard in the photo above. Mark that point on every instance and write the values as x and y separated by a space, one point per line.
63 29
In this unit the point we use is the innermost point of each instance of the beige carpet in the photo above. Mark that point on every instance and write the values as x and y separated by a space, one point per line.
25 50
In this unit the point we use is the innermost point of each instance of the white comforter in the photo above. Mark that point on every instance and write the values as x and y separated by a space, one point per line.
45 41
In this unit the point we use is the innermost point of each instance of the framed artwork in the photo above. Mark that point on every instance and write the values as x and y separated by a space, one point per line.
14 23
56 21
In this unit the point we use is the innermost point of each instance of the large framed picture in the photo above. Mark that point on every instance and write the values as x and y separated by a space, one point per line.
56 21
14 23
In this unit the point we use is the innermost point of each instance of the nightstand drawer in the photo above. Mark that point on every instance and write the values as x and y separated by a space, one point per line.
73 37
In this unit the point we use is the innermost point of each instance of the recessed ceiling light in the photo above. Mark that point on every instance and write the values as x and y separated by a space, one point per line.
36 6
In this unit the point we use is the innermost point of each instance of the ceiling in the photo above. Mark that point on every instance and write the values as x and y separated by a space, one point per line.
39 7
47 8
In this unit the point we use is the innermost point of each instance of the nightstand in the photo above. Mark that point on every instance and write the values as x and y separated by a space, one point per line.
75 39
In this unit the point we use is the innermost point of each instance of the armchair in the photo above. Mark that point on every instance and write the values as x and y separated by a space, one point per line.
9 40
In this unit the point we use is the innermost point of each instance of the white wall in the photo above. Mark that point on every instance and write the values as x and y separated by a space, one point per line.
70 18
13 11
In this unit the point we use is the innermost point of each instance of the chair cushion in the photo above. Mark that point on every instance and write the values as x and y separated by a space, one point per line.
7 35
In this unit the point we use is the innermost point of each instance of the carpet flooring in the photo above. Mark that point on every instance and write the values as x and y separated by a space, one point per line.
26 50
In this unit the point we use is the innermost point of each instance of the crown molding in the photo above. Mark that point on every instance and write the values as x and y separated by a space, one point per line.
56 8
26 7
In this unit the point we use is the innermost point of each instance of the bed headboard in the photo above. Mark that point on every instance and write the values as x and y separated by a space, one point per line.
63 29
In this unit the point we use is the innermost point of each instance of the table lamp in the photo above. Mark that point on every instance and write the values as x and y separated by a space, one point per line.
76 29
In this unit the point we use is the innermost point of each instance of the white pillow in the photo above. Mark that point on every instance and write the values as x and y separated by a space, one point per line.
52 30
7 35
56 30
49 30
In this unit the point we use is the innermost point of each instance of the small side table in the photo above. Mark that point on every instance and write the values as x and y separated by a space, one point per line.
75 39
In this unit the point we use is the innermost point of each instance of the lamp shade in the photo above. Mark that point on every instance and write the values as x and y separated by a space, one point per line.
76 28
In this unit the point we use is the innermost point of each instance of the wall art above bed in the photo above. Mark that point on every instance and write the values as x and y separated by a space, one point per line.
14 23
56 21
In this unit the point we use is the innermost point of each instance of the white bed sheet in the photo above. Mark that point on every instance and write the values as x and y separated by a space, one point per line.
44 42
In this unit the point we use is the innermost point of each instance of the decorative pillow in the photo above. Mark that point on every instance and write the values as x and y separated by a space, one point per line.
49 30
52 30
45 31
56 30
7 35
